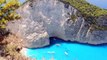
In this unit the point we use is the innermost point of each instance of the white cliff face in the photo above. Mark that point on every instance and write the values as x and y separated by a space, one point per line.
42 19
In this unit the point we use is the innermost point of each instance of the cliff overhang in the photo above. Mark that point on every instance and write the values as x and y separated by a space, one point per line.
42 19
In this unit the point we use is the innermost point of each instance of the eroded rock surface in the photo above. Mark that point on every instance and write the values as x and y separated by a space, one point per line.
42 19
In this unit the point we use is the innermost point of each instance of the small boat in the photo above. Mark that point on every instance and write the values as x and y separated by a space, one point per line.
50 52
66 53
57 44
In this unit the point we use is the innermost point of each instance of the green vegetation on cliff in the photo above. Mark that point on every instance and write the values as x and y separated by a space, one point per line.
86 8
7 11
89 12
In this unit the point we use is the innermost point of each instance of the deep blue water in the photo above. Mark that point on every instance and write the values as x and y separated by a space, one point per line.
99 3
61 50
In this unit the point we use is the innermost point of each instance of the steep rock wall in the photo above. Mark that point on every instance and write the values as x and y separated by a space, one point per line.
42 19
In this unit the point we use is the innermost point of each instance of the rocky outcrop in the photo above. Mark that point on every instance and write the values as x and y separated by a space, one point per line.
42 19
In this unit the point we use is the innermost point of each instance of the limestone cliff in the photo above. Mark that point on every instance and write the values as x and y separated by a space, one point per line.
42 19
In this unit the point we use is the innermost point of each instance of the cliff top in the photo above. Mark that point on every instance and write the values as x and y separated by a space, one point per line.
86 8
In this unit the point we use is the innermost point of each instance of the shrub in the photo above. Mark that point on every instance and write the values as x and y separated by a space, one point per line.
7 11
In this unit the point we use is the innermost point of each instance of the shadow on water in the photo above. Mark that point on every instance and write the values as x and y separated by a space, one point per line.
55 40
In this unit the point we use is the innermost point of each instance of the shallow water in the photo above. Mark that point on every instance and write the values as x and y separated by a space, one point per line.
60 50
99 3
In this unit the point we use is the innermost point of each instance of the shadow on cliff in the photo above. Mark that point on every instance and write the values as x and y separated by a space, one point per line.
55 40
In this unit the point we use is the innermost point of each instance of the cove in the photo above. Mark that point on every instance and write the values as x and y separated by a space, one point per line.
99 3
62 50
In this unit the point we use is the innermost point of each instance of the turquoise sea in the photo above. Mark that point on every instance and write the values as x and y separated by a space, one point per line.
61 50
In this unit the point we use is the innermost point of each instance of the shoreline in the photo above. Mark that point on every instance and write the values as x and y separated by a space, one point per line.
23 51
54 40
